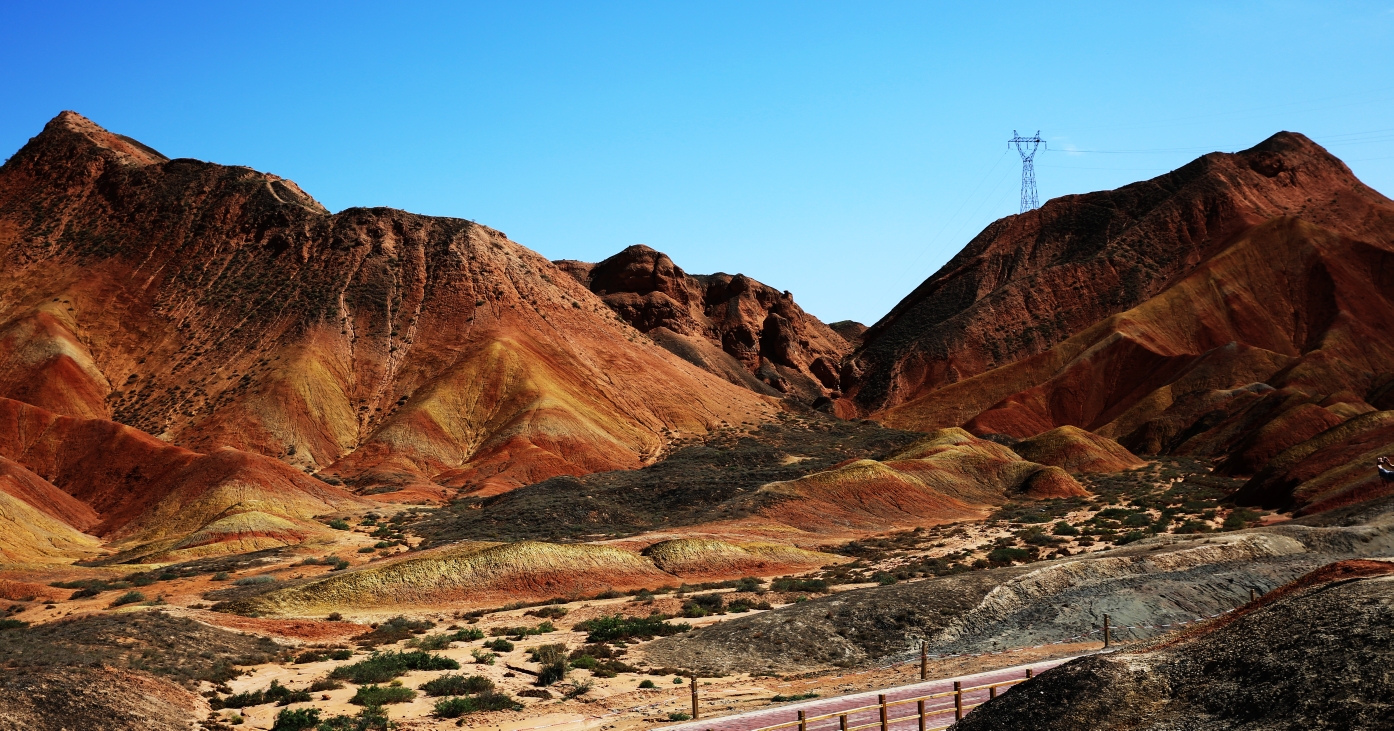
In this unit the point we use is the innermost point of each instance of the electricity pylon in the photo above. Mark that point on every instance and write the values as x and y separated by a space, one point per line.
1026 147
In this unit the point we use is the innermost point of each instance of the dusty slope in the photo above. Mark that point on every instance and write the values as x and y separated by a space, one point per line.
1030 282
469 574
219 306
771 340
1077 450
698 558
137 491
1316 657
1147 588
947 475
40 523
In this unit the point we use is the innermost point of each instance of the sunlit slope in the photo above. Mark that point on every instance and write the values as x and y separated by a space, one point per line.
217 306
140 493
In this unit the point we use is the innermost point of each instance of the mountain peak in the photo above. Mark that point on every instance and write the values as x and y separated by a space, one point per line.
69 124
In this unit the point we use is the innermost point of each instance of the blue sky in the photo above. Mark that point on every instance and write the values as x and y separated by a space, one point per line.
843 151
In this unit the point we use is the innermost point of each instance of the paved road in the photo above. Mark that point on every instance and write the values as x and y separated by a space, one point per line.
942 708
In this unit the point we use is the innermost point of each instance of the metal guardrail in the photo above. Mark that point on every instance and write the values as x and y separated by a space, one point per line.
883 707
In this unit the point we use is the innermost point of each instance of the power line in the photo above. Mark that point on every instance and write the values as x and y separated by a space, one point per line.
1026 147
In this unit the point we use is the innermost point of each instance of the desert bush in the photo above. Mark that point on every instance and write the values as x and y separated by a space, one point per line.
468 634
612 628
678 716
432 642
384 666
381 695
483 657
1064 529
220 576
552 672
646 683
499 645
324 684
130 597
813 586
1004 556
339 524
296 720
446 685
12 624
461 705
371 718
547 612
254 580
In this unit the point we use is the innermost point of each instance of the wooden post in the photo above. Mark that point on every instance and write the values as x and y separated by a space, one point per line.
885 720
842 722
920 708
803 722
1251 595
1106 637
958 700
694 696
1028 673
992 693
924 661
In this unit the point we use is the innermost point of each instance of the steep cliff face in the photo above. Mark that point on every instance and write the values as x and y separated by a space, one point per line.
761 330
1030 282
217 306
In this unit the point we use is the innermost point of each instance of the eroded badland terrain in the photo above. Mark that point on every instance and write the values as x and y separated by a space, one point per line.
267 466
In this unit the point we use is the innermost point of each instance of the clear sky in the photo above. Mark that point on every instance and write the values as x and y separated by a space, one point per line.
843 151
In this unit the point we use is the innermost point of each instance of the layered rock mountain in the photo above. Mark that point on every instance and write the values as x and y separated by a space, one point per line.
1233 308
219 307
733 326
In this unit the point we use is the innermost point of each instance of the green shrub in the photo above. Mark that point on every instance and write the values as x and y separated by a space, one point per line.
884 579
1064 529
468 634
339 524
461 705
283 696
499 645
1239 518
552 672
130 597
381 667
325 684
613 628
366 549
1005 555
813 586
368 719
381 695
483 657
311 656
647 684
296 720
457 685
254 580
432 642
342 654
795 697
678 716
12 624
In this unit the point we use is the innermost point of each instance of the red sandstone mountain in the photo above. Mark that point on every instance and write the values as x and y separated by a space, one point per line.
733 326
1235 307
216 307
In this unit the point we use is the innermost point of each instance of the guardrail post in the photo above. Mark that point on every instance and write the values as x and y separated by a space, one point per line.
885 719
920 708
924 661
1106 637
842 722
803 722
1251 595
958 700
992 693
1028 673
694 696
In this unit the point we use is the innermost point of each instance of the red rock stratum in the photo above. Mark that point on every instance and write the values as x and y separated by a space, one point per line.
216 306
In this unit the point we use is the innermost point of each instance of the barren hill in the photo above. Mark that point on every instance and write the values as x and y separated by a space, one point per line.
746 332
1233 308
216 306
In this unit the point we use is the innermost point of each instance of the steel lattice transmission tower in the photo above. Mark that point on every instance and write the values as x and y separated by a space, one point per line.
1026 147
